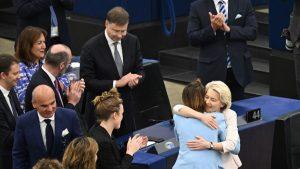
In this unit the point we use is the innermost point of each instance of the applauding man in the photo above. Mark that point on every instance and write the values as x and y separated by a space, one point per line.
221 29
112 59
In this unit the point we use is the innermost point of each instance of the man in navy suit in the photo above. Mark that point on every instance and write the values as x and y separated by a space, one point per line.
44 132
9 107
221 29
113 59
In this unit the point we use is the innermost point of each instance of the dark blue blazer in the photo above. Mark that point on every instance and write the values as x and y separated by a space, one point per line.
212 64
28 145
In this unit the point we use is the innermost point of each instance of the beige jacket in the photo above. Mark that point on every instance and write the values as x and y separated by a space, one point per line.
230 161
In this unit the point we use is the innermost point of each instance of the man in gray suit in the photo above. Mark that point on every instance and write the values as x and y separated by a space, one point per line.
294 29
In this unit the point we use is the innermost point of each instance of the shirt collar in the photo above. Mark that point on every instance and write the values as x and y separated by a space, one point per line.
41 118
109 40
4 91
53 78
217 1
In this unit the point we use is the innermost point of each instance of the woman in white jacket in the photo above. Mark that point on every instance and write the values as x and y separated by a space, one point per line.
230 147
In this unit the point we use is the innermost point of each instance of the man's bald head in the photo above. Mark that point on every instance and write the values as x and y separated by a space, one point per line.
60 48
58 54
43 100
42 92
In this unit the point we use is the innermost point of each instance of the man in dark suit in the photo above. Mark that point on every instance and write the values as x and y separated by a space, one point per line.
9 107
47 14
294 29
44 132
221 29
112 59
57 60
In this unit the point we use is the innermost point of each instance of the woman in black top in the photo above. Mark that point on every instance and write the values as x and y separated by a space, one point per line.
109 109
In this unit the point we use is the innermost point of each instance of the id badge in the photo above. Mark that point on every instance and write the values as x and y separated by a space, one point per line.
54 31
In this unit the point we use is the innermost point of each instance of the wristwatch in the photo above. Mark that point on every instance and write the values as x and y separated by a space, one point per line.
211 147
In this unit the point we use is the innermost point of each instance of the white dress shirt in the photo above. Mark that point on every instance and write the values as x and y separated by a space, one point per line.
43 125
51 76
112 46
5 93
112 49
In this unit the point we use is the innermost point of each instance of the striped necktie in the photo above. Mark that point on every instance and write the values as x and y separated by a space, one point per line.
222 10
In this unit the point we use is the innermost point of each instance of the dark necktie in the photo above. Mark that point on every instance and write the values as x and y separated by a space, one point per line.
57 87
222 10
12 104
49 136
118 60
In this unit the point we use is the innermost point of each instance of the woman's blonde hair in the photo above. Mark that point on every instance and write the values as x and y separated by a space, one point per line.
193 95
223 90
47 164
81 153
107 103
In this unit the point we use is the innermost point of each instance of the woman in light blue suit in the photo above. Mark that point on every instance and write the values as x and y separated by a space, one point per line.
187 129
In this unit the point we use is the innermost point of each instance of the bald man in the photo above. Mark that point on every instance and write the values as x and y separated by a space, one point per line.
45 131
57 60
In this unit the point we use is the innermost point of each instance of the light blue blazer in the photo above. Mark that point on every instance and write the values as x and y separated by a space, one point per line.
187 129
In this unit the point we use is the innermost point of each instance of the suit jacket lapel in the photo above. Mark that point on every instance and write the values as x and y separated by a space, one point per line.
8 111
108 54
58 132
211 7
125 55
232 7
16 102
50 83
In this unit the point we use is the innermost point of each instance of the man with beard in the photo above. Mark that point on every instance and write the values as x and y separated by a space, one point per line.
57 60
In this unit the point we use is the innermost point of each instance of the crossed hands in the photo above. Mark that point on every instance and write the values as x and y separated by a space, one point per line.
218 22
130 79
135 143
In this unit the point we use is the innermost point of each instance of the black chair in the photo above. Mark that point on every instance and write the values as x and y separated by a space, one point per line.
286 144
151 98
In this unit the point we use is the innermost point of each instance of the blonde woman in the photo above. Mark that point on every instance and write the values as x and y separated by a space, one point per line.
187 129
81 153
217 99
47 164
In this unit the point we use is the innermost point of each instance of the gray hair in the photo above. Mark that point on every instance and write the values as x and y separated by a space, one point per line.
55 59
223 90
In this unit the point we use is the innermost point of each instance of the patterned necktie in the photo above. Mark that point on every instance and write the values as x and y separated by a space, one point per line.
53 17
57 87
49 136
222 10
118 59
